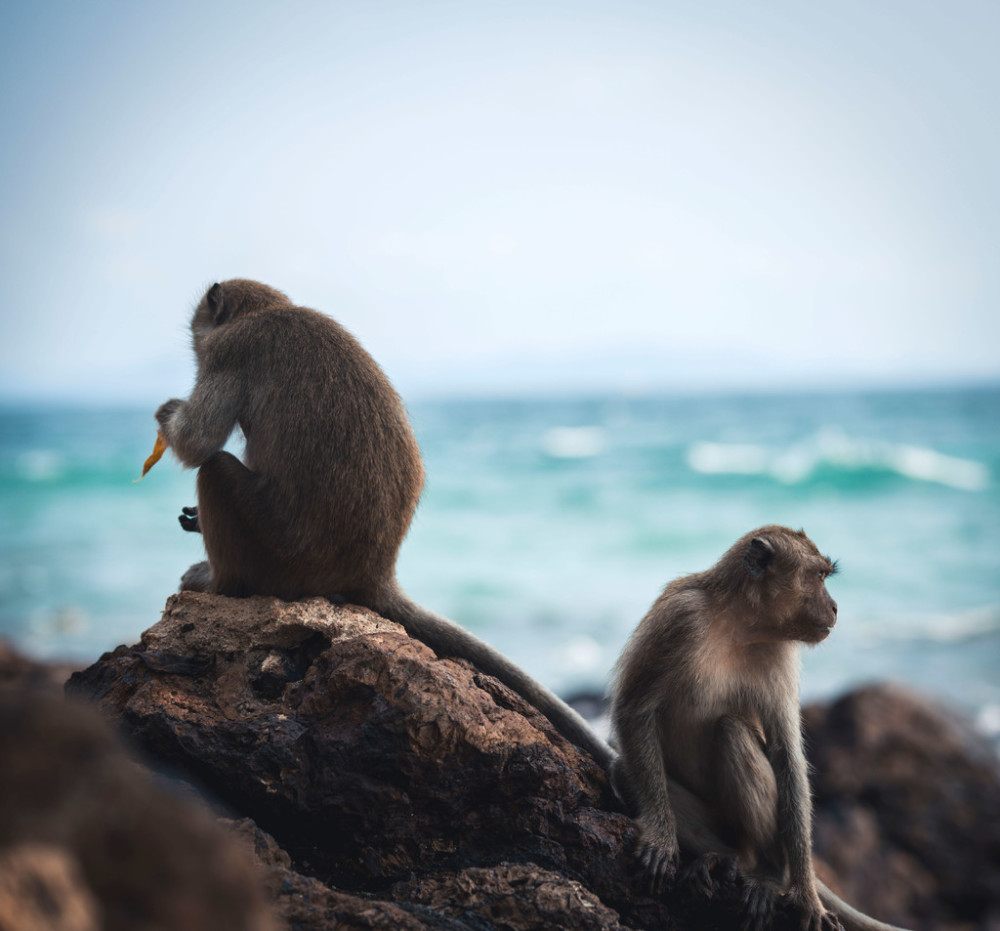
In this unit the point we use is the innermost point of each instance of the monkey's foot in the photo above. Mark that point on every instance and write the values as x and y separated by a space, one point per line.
704 875
660 863
759 900
814 916
189 520
198 578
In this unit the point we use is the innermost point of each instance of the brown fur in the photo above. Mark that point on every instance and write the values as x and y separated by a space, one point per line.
705 711
330 477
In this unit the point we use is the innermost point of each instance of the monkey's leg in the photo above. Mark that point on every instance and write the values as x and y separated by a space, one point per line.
696 823
198 578
747 788
748 799
234 516
641 778
697 835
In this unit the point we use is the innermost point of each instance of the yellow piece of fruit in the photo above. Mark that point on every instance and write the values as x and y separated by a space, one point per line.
159 448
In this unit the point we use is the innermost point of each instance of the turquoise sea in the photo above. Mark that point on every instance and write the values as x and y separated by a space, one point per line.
549 526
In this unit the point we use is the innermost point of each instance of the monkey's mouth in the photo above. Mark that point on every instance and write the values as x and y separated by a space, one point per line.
815 633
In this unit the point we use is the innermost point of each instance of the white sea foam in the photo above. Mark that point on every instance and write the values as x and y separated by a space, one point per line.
930 466
729 459
834 448
988 720
40 465
941 628
574 442
582 654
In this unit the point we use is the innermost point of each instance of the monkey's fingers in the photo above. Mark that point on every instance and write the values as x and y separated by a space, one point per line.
698 875
659 862
759 900
190 524
657 858
828 921
188 519
814 916
709 872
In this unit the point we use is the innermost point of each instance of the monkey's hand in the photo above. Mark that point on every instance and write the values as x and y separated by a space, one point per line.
709 871
189 520
814 916
163 415
658 850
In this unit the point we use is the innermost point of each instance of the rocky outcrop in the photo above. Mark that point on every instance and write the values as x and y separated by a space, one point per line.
378 767
907 809
377 785
384 771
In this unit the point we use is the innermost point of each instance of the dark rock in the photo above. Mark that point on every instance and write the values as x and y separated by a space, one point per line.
907 809
399 789
382 770
511 895
305 904
87 842
22 674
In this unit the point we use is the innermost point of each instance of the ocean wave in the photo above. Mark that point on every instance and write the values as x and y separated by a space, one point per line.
834 449
574 442
988 721
40 465
954 627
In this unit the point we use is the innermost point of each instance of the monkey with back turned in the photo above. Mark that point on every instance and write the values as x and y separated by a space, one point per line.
324 497
329 480
705 714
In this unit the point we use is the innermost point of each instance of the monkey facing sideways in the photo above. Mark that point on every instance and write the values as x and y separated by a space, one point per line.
705 702
329 480
705 713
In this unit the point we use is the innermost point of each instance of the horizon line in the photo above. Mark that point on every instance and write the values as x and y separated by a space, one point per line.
527 393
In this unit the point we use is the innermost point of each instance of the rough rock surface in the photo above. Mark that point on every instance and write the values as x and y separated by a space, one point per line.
378 785
383 771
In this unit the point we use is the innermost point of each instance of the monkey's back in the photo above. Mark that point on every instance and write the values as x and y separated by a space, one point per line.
329 438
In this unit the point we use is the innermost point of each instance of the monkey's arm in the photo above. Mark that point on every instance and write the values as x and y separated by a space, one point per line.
642 777
795 815
200 426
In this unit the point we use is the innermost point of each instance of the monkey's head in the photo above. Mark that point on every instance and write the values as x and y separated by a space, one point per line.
228 301
784 579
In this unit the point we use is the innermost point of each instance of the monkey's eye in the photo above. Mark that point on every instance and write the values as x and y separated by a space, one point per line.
827 571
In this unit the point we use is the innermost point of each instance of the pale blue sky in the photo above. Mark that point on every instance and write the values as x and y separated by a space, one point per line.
506 196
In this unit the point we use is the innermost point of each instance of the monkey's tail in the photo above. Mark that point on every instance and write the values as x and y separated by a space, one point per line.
446 638
850 918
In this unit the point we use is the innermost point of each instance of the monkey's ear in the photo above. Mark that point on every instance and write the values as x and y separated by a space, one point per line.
759 555
217 308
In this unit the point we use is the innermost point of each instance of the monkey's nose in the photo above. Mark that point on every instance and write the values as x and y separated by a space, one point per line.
833 604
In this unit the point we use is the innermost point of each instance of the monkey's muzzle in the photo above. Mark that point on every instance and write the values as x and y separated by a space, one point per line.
821 632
